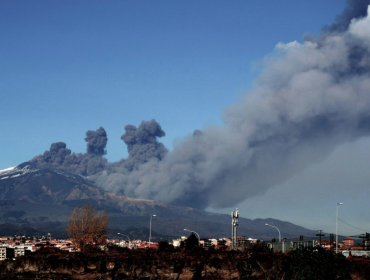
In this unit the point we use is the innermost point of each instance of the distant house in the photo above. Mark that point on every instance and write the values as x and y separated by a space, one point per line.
9 242
252 240
206 242
177 242
349 241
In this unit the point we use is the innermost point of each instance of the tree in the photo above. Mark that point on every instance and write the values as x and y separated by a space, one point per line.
191 241
87 228
256 247
317 263
164 245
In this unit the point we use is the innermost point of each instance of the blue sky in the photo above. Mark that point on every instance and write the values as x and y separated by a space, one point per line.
71 66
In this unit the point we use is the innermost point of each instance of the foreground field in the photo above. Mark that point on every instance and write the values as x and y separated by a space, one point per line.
118 263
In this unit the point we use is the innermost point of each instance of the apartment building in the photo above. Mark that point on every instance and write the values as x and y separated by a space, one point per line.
21 251
6 252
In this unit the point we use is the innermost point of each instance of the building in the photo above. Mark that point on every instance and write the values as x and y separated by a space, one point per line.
21 251
6 252
205 242
177 242
325 243
349 241
4 238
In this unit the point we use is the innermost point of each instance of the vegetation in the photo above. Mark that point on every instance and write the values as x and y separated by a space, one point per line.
317 263
258 247
164 245
191 242
86 228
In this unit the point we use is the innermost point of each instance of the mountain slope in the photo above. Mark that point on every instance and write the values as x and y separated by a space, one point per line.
39 198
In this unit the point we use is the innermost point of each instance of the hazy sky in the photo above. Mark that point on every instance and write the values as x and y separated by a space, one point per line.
71 66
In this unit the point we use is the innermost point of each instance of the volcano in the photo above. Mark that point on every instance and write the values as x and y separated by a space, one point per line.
43 199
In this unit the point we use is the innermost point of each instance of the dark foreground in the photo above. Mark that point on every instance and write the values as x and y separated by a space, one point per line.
154 264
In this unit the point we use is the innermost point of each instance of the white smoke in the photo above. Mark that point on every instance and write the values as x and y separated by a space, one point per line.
360 28
311 97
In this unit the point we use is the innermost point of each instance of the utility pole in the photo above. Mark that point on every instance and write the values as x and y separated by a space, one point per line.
336 241
331 241
150 228
320 235
364 237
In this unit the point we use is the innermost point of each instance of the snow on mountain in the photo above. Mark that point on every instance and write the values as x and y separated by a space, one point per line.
16 171
7 170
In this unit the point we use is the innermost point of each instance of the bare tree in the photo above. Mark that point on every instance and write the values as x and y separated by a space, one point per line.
87 228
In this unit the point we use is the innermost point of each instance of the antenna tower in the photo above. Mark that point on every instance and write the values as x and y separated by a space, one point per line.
235 223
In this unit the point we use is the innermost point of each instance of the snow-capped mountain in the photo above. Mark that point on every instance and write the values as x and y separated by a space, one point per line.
16 171
40 197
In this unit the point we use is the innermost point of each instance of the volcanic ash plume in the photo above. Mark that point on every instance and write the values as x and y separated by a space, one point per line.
92 162
142 143
57 154
96 141
310 98
354 9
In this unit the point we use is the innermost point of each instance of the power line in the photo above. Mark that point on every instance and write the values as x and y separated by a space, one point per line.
353 226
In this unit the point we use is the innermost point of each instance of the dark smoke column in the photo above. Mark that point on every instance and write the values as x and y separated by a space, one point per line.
142 143
96 141
57 154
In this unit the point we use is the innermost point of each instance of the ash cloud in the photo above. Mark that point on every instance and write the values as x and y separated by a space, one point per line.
96 141
353 9
56 155
310 98
92 162
142 143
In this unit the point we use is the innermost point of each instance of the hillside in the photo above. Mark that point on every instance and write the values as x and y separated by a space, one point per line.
43 199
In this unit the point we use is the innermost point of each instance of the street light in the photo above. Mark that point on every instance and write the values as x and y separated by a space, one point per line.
196 234
128 239
277 229
336 240
150 228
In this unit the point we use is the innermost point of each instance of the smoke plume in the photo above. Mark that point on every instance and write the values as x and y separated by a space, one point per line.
142 143
96 141
310 98
92 162
354 9
56 155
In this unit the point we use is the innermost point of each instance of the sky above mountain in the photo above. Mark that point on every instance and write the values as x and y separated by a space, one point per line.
68 67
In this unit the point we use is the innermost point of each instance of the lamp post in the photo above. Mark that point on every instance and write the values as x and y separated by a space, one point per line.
277 229
150 228
336 240
195 233
128 239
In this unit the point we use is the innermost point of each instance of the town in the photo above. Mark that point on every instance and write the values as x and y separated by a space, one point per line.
17 246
